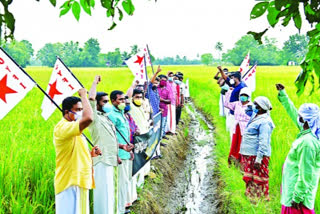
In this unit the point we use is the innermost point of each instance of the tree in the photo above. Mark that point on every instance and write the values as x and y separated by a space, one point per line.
114 58
134 50
48 54
89 55
114 9
243 45
264 54
218 47
295 48
20 51
287 11
70 54
206 58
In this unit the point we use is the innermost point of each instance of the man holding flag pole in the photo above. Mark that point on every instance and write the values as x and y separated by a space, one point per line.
103 133
74 170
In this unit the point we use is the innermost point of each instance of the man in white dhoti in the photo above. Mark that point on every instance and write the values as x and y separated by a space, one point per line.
73 175
103 133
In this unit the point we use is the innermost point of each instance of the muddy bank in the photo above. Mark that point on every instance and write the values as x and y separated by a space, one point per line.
184 180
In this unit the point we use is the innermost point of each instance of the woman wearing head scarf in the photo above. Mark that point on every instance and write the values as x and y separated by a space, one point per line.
241 120
255 149
301 169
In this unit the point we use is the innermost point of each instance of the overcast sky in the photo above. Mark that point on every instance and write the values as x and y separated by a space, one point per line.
170 27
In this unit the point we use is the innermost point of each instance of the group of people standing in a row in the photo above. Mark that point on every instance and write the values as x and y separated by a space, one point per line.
113 122
250 125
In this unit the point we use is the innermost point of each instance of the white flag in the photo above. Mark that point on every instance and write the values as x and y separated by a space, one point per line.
137 67
244 67
61 85
148 58
14 84
250 78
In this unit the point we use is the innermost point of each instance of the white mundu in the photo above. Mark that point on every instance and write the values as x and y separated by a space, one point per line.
73 200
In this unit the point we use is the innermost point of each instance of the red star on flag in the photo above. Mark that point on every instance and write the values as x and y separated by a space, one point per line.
139 60
4 89
53 90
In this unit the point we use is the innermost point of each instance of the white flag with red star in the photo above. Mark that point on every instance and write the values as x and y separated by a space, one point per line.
250 78
244 67
14 84
137 67
62 84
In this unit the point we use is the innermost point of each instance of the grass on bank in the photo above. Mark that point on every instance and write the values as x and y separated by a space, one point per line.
205 93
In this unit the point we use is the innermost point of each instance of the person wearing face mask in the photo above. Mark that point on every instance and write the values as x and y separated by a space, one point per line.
178 98
73 174
134 131
241 120
103 133
255 150
234 81
142 120
224 88
165 99
125 152
171 117
153 94
301 169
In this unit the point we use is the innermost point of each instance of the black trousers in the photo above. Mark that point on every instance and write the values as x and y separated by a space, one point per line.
178 114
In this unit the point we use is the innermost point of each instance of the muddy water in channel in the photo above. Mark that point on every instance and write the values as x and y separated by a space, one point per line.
195 187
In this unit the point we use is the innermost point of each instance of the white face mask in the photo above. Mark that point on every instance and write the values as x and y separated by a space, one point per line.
232 81
78 115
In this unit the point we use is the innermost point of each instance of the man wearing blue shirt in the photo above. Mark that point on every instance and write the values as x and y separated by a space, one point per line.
125 154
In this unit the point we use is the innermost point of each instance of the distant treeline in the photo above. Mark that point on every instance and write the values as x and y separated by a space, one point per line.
89 55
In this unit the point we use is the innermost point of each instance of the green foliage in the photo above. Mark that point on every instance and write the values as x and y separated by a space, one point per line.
267 53
296 47
89 55
207 58
7 20
287 11
21 51
206 94
176 61
48 54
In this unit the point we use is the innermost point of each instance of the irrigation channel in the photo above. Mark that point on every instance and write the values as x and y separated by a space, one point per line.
195 187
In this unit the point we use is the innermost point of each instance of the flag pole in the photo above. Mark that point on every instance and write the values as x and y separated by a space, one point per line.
256 63
70 71
41 89
150 59
84 87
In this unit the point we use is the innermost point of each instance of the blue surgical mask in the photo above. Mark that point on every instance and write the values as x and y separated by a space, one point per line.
170 79
244 98
255 110
177 82
249 110
107 108
127 108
